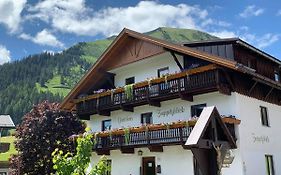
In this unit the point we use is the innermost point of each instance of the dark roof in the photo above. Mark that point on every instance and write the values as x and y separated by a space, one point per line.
237 41
88 79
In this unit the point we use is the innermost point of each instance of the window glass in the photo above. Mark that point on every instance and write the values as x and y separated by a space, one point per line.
276 76
197 109
146 118
163 71
269 165
106 125
264 116
130 80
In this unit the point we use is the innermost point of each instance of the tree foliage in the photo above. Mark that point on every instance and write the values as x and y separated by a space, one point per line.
78 163
43 129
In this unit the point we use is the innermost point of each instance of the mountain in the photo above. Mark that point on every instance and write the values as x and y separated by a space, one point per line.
51 76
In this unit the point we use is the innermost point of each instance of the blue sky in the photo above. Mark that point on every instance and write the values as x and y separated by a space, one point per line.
31 26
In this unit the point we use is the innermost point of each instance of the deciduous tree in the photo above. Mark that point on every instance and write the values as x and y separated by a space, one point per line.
42 130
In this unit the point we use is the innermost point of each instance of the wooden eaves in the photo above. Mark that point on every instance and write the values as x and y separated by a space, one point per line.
97 70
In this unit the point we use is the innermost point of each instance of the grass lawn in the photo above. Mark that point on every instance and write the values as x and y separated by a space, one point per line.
9 139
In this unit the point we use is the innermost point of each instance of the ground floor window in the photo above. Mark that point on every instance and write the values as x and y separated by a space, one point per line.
3 173
269 165
108 163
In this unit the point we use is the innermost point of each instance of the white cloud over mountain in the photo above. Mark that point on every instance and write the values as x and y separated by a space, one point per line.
10 14
4 55
44 37
76 17
72 16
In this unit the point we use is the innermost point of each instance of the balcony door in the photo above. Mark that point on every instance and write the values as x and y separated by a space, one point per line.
148 164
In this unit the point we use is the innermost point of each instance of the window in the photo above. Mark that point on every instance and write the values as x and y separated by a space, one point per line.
130 80
146 118
276 76
163 71
108 164
197 109
269 165
264 116
106 125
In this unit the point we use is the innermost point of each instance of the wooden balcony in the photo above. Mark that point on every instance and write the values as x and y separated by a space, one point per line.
153 137
181 85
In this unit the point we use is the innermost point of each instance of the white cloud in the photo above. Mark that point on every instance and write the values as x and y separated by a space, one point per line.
224 34
261 41
10 13
4 55
72 16
250 11
43 38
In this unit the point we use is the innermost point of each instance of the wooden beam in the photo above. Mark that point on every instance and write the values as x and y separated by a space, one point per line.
103 113
224 89
228 78
269 92
127 108
176 60
187 97
155 103
252 88
84 117
103 152
156 148
127 150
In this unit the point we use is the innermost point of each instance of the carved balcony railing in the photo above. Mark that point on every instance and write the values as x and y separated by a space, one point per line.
152 136
181 85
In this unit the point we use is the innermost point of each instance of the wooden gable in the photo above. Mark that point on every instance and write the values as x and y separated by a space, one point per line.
134 50
209 140
128 47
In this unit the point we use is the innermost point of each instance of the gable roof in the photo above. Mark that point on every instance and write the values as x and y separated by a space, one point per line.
99 68
122 38
208 115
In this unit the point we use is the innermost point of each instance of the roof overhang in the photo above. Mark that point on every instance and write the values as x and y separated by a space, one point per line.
88 79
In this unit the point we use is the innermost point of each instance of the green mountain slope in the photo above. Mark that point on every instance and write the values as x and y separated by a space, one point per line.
51 76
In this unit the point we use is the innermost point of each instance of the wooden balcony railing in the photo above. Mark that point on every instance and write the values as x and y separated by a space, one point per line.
181 85
157 135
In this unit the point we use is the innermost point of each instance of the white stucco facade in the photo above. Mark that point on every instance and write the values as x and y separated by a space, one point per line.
254 140
145 69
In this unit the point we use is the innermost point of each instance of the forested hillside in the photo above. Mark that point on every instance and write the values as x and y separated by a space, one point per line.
51 76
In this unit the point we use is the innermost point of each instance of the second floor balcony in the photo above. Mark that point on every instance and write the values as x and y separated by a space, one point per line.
182 85
153 136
